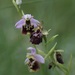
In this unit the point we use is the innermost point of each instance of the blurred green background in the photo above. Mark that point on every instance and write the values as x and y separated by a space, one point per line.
59 15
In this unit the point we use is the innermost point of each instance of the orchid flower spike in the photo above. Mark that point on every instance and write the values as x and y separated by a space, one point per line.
33 60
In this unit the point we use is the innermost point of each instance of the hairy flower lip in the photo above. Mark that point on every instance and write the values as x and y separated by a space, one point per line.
36 37
26 29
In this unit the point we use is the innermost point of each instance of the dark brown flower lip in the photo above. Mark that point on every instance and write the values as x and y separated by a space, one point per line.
34 65
36 37
31 60
50 66
26 29
59 58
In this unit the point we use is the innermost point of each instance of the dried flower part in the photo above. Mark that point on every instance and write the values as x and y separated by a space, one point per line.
36 37
50 66
59 58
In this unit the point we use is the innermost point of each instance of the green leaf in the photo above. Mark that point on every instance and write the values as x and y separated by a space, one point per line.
45 32
51 39
69 64
62 67
51 51
49 30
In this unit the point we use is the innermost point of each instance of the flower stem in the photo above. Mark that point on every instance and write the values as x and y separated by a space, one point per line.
17 7
51 51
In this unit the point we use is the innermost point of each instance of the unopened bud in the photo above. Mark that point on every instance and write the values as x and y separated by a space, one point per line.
18 2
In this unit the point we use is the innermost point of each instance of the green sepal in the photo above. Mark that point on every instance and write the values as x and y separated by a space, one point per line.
45 33
59 50
51 51
41 52
69 64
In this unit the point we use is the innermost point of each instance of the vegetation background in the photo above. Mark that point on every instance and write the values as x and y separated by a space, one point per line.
59 15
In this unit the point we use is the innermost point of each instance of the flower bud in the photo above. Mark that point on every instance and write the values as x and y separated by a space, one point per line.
18 2
50 66
59 58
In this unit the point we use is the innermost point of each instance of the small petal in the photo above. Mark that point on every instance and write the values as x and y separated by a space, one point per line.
29 55
26 61
34 22
39 58
20 23
33 50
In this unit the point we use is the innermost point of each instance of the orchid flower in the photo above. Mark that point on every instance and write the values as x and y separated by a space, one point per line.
25 18
27 23
33 60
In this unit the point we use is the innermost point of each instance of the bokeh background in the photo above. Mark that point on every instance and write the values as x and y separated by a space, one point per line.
59 15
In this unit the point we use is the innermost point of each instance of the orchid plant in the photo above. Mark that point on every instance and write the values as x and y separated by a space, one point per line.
33 28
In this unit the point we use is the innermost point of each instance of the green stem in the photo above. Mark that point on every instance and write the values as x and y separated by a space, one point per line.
51 51
69 65
17 7
63 68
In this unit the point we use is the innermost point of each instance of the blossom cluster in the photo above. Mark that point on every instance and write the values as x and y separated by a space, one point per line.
29 25
32 26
